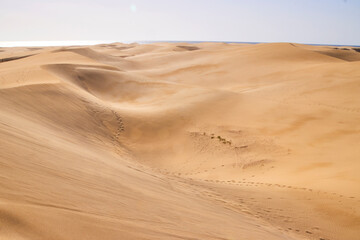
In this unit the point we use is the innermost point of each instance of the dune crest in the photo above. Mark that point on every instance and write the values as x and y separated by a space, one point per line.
180 141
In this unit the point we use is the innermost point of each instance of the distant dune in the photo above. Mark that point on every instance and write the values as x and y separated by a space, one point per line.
180 141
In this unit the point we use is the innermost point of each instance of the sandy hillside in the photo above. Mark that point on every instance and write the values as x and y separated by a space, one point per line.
180 141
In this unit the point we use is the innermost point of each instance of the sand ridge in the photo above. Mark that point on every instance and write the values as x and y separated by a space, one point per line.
180 141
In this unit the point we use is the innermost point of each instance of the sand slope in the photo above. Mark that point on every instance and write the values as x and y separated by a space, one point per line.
180 141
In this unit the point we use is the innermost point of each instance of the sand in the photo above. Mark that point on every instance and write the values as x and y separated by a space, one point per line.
180 141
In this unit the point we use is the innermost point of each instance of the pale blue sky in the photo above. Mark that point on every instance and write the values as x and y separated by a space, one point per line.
302 21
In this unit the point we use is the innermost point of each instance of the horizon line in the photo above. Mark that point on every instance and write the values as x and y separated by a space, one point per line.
4 44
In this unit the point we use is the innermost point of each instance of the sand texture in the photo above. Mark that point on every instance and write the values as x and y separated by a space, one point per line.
180 141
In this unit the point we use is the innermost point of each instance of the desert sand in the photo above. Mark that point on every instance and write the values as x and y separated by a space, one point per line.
180 141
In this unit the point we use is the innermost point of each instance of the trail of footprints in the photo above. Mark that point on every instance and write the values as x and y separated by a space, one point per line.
265 213
252 206
288 101
104 114
249 183
339 108
120 125
228 143
257 184
238 165
92 107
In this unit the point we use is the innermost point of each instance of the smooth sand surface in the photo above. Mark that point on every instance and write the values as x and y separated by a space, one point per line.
180 141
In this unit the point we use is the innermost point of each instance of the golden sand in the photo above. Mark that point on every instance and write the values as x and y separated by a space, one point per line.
180 141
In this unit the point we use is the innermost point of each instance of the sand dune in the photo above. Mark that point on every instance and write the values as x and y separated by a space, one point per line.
180 141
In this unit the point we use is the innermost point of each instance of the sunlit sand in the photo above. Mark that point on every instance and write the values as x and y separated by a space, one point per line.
180 141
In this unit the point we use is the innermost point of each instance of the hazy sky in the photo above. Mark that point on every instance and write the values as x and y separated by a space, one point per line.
303 21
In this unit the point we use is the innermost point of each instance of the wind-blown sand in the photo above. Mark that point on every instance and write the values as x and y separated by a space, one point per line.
180 141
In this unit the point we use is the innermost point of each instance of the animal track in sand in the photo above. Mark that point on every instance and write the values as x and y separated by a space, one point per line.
105 116
259 207
242 166
273 215
109 120
289 101
256 184
120 124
